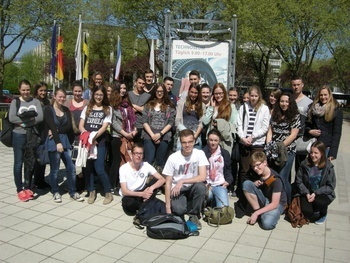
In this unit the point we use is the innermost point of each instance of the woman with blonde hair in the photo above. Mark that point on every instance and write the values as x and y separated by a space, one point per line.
253 124
325 121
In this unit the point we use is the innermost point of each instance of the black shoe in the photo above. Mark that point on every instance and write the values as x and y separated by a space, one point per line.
43 186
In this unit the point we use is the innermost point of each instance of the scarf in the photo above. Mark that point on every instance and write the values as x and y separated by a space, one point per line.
129 117
215 160
318 110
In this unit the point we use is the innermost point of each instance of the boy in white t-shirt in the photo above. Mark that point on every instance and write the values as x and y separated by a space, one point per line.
185 172
134 188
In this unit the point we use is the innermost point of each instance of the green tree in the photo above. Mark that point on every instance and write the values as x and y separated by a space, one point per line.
12 78
29 19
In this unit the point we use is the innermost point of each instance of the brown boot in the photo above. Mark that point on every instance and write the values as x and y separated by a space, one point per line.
108 198
92 197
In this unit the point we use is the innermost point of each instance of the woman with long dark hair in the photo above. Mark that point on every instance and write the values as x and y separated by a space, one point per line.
316 182
95 118
158 118
189 113
284 127
123 130
40 93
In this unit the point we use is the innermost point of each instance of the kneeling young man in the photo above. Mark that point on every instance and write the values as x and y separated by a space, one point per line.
185 172
264 193
134 188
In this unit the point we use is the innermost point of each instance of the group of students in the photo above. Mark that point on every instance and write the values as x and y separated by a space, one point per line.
210 132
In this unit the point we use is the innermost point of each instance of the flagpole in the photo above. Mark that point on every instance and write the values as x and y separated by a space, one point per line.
58 84
78 73
53 55
82 81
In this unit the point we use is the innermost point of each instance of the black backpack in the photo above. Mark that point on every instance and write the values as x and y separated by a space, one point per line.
7 127
168 227
148 209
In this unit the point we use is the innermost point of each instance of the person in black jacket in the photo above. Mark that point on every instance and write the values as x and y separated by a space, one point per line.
219 175
61 136
325 121
316 182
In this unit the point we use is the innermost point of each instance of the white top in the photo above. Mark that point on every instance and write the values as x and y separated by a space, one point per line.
135 180
181 167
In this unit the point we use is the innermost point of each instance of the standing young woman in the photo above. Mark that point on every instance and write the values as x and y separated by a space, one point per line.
158 118
325 121
61 136
219 175
316 182
284 127
222 109
253 124
24 118
189 113
95 118
40 93
122 130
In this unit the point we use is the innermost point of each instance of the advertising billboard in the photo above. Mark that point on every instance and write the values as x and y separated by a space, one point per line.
208 57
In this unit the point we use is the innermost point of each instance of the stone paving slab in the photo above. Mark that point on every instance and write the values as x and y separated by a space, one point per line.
43 231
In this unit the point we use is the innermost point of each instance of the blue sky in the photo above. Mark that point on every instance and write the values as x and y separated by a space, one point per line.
27 46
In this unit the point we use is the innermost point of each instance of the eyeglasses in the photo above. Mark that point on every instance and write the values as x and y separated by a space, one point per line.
139 154
219 94
257 165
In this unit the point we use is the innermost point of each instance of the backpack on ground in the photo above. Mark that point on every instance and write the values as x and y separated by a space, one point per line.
168 227
294 214
7 127
148 209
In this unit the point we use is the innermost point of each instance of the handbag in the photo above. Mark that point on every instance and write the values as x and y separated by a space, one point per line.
304 144
7 127
42 154
218 215
294 214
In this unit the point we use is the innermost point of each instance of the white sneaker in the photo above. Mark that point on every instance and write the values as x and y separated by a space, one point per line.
57 198
77 197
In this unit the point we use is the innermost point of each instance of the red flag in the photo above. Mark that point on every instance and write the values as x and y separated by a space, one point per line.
60 57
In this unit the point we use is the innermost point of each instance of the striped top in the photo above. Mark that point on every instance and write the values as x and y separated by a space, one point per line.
251 120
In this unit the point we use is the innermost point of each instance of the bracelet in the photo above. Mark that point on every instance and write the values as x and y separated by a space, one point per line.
161 134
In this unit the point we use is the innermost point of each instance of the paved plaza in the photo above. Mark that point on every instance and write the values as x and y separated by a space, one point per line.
43 231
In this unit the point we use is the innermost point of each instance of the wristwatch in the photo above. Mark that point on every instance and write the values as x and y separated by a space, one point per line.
161 134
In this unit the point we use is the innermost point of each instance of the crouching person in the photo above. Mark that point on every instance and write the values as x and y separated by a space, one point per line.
185 172
135 186
265 193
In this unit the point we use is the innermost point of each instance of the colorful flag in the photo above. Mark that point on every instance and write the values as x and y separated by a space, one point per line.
86 57
119 61
59 56
53 50
151 59
78 53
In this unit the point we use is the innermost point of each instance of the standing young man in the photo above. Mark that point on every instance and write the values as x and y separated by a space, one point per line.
138 99
149 78
303 103
169 84
185 173
194 77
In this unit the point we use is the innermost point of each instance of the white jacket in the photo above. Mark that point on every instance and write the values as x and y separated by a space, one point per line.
261 125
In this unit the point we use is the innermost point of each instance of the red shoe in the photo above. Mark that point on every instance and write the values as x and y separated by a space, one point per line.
22 196
29 193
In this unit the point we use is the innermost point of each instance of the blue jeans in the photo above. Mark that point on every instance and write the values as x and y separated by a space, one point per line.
220 195
157 151
55 158
99 166
18 143
270 218
284 173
